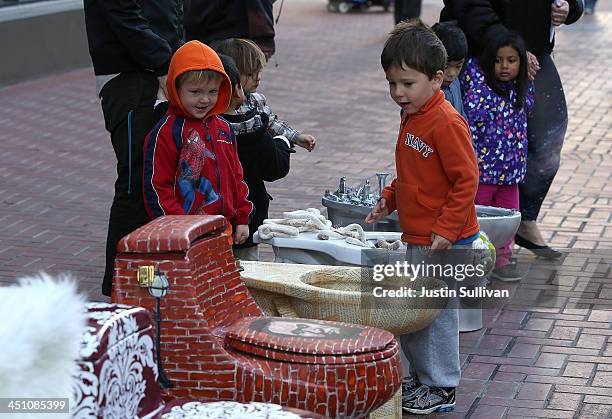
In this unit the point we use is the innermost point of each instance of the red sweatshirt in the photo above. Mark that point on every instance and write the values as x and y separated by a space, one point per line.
191 166
437 175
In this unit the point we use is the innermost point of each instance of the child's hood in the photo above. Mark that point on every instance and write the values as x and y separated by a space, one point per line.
194 55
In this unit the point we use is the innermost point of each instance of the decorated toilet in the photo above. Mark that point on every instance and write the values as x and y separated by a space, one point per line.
309 247
217 343
117 373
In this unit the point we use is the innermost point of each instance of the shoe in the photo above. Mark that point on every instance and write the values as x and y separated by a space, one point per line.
588 10
541 251
426 400
409 385
506 273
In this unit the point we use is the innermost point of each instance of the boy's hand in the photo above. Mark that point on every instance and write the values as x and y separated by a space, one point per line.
306 141
439 243
241 233
380 210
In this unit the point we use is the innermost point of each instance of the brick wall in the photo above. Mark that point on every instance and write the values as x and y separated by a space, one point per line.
195 254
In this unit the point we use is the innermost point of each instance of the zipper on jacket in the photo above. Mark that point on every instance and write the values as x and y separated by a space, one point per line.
209 138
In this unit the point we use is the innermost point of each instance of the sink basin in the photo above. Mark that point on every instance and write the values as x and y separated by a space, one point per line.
500 224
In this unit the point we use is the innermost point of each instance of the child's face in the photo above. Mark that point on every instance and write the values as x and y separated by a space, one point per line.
507 64
410 88
452 70
198 98
250 82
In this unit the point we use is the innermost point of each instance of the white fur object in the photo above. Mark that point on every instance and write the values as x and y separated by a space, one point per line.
41 322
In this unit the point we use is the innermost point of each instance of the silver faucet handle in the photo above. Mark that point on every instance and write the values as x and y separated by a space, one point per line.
342 185
382 179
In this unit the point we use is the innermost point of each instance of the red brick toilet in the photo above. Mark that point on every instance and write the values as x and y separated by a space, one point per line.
216 343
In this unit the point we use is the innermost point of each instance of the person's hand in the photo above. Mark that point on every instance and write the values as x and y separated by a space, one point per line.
162 93
533 65
379 211
558 14
241 233
306 141
439 243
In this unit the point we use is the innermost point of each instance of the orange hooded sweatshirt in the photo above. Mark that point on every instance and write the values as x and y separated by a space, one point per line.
194 55
437 175
191 165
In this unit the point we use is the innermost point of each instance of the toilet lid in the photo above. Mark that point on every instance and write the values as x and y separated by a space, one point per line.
310 341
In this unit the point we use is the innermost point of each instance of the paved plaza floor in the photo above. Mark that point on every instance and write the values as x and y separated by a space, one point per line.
545 353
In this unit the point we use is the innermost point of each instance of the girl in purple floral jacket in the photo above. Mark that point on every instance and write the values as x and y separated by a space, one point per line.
497 97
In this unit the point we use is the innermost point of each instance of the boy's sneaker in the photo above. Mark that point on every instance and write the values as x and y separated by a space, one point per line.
426 400
506 273
409 386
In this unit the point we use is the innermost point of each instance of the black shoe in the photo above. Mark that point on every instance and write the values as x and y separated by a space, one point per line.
541 251
426 400
506 273
409 385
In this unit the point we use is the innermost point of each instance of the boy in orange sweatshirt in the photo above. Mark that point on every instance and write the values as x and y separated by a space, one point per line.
191 163
437 179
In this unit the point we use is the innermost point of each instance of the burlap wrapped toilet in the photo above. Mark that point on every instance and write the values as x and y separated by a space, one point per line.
338 294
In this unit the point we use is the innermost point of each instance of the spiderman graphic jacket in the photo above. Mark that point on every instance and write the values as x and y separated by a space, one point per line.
191 165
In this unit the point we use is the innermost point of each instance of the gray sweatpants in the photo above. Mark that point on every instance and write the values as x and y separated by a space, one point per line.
433 352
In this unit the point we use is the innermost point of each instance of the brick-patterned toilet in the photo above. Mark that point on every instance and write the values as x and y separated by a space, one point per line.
217 344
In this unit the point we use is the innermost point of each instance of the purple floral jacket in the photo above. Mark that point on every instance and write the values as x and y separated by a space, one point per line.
499 130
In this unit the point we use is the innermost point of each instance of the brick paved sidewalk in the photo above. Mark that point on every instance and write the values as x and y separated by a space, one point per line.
546 353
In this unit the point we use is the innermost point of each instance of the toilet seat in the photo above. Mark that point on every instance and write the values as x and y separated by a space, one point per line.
310 341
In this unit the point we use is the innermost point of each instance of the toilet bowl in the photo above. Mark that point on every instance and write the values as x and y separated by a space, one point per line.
308 249
218 344
339 294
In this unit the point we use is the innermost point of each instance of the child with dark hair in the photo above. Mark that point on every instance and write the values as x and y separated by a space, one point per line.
433 193
497 100
456 46
263 157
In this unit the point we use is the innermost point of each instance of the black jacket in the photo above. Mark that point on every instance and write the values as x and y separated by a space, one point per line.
263 158
133 35
211 20
482 20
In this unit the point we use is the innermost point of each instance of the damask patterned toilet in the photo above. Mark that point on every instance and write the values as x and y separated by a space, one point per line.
217 344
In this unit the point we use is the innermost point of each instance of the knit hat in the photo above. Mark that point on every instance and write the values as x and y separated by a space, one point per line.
230 69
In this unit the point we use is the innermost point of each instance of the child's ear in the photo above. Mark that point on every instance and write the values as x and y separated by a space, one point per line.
437 80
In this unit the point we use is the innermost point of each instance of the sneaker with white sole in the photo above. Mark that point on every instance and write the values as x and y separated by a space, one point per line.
426 400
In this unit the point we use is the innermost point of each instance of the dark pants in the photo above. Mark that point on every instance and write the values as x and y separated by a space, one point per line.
545 130
406 9
127 104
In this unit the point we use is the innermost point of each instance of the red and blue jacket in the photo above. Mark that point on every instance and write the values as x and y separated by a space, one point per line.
191 166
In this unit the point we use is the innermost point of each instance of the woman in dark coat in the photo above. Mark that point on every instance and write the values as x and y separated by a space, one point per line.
534 20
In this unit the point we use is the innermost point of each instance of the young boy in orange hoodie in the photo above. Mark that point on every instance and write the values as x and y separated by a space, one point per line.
437 179
191 163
